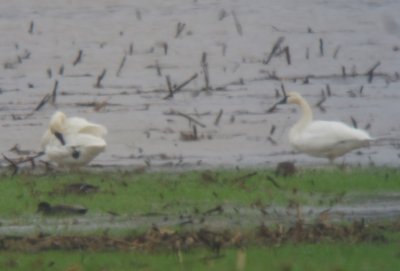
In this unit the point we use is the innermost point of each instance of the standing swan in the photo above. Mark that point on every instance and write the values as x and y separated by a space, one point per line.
328 139
72 142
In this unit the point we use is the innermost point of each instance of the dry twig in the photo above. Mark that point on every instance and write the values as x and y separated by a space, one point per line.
100 78
238 26
204 66
121 65
274 50
218 118
191 119
370 72
78 58
172 91
179 29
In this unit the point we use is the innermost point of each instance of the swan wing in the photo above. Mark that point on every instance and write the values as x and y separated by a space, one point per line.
81 125
79 150
94 129
326 138
336 131
84 140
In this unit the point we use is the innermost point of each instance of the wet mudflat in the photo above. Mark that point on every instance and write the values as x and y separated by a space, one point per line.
188 84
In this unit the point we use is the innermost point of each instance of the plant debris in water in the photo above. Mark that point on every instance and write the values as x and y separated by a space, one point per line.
157 238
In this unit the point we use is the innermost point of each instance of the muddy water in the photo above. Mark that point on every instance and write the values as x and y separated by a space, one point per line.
383 210
41 42
332 45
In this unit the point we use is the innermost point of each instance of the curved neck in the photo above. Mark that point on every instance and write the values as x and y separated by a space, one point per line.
306 116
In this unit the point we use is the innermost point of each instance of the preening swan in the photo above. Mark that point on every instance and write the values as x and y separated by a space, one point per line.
328 139
60 124
72 142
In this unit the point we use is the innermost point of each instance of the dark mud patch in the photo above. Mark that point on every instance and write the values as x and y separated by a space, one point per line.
159 238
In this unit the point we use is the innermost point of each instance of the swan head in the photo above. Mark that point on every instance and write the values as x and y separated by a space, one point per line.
57 124
291 98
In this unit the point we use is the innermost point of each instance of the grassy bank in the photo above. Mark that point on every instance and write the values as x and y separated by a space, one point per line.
305 257
356 246
165 192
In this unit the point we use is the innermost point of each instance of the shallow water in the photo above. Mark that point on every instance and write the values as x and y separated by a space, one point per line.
382 209
41 39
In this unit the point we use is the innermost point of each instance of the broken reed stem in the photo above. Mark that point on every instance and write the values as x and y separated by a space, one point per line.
272 108
283 90
42 102
54 93
169 85
277 93
335 53
222 14
354 122
218 118
370 72
321 47
49 73
179 28
12 164
271 140
272 131
274 49
274 182
328 90
22 159
177 113
78 58
179 87
195 137
204 66
61 70
319 104
238 26
31 26
121 65
194 76
131 49
287 53
100 78
165 47
158 68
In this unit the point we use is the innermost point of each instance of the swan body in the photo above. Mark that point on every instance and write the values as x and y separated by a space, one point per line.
73 142
74 125
329 139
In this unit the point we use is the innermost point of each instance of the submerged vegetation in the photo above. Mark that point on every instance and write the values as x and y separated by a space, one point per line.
126 192
215 219
291 257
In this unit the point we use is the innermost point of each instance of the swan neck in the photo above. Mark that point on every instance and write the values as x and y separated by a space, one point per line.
306 115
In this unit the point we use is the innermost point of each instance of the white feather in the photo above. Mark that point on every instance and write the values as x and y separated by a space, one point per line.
328 139
83 140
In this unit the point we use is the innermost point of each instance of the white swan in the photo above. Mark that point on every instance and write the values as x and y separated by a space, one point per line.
74 125
72 142
328 139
